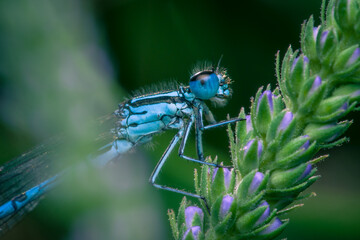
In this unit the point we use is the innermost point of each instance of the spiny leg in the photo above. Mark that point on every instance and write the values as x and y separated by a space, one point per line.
160 164
183 143
199 128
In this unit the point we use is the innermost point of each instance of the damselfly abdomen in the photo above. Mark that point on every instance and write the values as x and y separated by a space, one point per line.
136 121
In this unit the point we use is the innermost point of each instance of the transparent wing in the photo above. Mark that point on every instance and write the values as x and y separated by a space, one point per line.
41 163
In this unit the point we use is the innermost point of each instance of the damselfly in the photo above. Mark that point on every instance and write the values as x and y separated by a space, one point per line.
136 121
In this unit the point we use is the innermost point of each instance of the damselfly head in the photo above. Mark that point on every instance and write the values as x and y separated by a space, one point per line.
210 83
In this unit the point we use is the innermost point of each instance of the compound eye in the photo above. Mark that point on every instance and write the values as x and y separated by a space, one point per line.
204 85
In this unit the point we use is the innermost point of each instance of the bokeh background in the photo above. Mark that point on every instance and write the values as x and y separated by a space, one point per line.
65 62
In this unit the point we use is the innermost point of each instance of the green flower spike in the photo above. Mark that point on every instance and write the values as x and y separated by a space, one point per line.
273 150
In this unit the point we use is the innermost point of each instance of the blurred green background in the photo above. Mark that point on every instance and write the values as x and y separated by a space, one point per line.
65 62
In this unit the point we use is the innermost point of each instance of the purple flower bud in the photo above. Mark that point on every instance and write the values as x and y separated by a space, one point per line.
190 213
328 126
260 148
249 126
306 172
344 106
194 231
315 85
354 57
258 178
269 95
265 215
315 32
249 144
227 175
225 205
355 94
306 144
306 60
288 117
324 36
275 224
294 63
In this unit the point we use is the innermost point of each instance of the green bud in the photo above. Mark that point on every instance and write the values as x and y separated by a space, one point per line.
347 62
326 44
281 179
270 230
250 220
323 133
280 198
346 13
297 151
311 95
223 214
250 156
308 39
286 72
266 106
352 91
218 185
281 128
332 108
253 183
299 71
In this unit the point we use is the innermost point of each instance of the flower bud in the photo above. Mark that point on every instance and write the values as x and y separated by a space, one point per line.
222 181
354 57
282 179
280 128
305 174
249 221
194 231
295 78
332 109
294 153
346 14
269 96
257 180
288 117
249 126
323 133
315 32
265 215
250 158
227 173
225 205
315 85
326 45
264 111
194 216
309 36
273 226
311 95
252 184
352 91
347 62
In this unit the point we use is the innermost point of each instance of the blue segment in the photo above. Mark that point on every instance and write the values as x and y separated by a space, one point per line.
151 112
23 199
205 85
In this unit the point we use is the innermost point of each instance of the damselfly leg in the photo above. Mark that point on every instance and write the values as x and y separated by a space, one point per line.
183 134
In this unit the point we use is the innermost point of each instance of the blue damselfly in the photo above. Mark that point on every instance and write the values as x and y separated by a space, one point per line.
135 122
